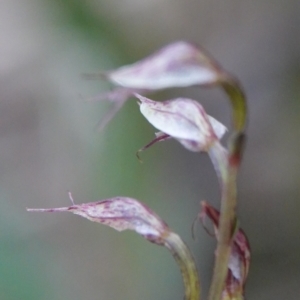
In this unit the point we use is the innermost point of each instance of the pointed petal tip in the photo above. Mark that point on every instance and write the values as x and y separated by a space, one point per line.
141 98
120 213
58 209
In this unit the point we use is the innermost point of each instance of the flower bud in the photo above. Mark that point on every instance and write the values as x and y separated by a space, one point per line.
239 260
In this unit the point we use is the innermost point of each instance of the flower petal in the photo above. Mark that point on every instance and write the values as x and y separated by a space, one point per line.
179 64
183 119
120 213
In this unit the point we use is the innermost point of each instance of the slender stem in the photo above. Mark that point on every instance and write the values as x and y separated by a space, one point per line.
187 265
227 221
227 218
227 213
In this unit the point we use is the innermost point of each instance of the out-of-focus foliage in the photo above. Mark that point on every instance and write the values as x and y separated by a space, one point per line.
48 145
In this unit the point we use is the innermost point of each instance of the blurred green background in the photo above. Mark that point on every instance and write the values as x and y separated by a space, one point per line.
49 145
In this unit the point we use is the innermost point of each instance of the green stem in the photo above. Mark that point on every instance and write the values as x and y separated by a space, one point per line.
227 221
187 265
238 101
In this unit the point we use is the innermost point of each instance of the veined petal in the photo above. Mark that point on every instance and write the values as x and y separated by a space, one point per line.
179 64
183 119
120 213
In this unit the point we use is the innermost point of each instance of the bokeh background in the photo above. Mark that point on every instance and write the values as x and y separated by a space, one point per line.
49 145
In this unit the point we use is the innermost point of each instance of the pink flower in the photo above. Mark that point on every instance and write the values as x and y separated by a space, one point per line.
120 213
183 119
180 64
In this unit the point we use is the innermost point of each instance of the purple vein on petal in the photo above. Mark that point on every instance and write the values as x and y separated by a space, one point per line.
160 136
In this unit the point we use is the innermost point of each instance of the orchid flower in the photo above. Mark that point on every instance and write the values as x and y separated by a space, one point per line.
180 64
123 213
184 120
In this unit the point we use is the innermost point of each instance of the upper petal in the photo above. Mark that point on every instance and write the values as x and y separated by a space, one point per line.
179 64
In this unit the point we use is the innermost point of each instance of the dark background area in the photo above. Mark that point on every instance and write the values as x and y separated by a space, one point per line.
49 145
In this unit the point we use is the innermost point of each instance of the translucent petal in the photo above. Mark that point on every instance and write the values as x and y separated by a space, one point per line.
180 64
183 119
